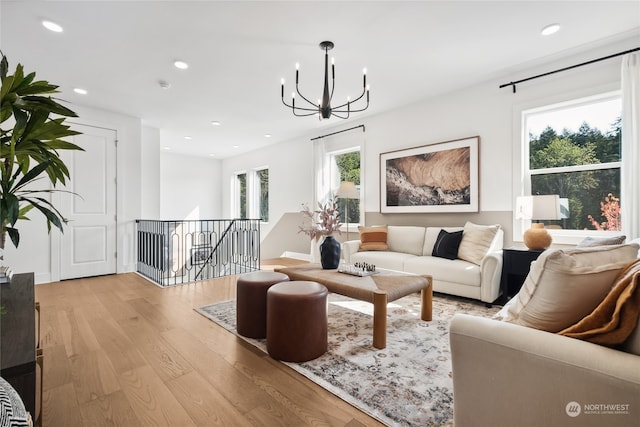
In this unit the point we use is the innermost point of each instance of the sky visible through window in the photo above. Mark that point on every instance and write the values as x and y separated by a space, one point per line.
599 116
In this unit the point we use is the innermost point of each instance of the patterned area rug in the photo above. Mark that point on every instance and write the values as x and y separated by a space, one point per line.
406 384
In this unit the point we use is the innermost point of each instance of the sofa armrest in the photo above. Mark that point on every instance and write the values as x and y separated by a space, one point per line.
348 248
490 275
506 375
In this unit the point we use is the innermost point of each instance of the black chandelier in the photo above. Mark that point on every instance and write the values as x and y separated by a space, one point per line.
323 108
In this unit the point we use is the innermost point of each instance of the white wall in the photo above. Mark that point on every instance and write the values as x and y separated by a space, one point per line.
189 187
483 110
150 173
290 177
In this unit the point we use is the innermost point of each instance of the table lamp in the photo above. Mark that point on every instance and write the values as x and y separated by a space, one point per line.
538 208
347 190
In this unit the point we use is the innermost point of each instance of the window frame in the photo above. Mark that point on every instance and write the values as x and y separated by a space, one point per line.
252 196
334 177
523 173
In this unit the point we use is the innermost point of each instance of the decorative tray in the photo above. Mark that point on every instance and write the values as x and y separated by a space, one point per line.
359 273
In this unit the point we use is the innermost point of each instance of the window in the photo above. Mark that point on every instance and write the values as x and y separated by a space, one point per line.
240 193
251 194
345 166
574 150
263 196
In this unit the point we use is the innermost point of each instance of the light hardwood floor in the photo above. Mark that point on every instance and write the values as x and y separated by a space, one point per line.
120 351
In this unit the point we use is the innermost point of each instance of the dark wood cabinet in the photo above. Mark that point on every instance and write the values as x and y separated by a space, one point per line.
20 357
515 268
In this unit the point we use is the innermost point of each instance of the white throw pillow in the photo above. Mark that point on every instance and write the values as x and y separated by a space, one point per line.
476 241
407 239
565 285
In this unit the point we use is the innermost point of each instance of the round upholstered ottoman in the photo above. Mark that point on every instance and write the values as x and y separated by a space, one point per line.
251 301
297 321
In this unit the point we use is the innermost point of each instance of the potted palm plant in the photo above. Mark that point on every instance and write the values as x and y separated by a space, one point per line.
31 131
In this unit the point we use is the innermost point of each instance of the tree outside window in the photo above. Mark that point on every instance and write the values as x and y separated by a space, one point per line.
349 170
252 194
582 165
263 203
241 180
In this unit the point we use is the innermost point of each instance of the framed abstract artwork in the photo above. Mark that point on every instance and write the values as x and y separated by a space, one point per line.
441 177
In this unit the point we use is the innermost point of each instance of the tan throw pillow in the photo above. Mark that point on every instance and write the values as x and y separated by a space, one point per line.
615 318
565 285
373 238
476 241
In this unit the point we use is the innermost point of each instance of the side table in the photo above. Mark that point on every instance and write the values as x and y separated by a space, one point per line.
516 263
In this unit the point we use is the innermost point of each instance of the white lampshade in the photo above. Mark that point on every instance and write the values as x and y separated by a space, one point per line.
545 207
347 190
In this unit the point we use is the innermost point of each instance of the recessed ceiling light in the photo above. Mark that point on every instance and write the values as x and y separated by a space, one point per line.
216 123
167 148
267 135
212 155
550 29
52 26
181 65
236 146
80 91
187 137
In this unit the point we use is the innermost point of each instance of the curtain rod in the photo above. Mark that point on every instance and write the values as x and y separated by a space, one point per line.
513 84
340 131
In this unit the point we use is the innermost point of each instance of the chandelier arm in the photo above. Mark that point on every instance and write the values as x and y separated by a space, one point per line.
351 102
352 110
304 115
304 97
333 113
314 110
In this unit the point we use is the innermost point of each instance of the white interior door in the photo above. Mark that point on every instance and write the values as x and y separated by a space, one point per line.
88 244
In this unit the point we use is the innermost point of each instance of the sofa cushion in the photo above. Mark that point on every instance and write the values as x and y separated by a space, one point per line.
447 244
382 259
476 241
457 270
406 239
615 318
563 286
373 238
601 241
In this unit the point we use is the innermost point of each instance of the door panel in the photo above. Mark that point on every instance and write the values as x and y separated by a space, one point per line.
88 245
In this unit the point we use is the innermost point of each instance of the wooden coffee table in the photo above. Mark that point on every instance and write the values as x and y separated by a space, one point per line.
378 289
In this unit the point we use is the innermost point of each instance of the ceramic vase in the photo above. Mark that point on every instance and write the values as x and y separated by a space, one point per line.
537 237
330 253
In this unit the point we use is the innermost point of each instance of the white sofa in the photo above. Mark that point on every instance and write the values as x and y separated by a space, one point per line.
410 249
511 375
512 372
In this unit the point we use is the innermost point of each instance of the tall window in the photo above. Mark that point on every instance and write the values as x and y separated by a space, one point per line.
573 150
251 194
241 195
346 167
263 194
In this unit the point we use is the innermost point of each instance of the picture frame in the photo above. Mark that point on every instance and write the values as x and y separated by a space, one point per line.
439 177
200 254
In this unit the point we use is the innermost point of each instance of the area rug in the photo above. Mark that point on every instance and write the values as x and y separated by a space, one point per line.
406 384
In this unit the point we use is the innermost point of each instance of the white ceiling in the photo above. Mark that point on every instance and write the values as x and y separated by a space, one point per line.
239 50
